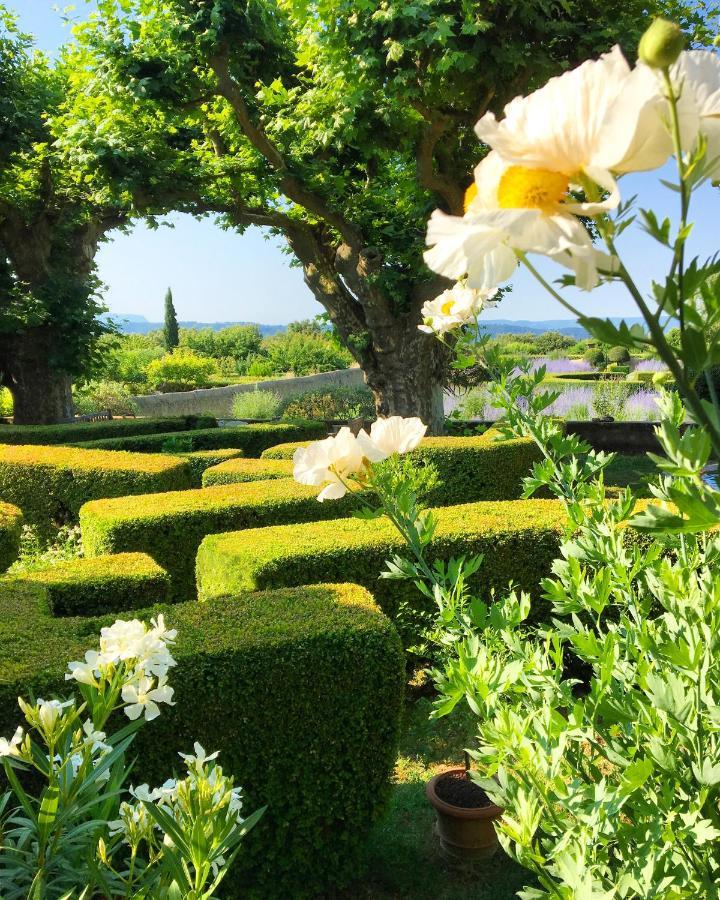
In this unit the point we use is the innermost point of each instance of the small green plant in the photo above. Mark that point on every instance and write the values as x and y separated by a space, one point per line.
183 369
596 357
175 444
257 404
38 554
342 403
97 396
618 355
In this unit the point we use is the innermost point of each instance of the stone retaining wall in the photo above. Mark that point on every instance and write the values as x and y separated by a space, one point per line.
218 401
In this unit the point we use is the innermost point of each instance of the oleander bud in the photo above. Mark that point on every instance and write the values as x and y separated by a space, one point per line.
661 44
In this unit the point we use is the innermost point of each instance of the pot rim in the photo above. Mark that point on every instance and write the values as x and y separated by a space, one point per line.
459 812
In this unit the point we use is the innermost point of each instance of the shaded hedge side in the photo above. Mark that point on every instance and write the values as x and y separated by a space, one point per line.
88 431
11 519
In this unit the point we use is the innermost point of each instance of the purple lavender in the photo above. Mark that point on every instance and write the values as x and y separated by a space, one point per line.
649 365
563 365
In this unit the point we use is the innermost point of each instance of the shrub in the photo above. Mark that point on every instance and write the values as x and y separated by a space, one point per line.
10 530
200 461
520 539
701 385
101 395
88 431
305 353
237 471
300 690
609 398
259 367
256 405
183 369
90 587
170 526
50 484
6 402
595 356
336 403
618 355
251 439
469 468
283 451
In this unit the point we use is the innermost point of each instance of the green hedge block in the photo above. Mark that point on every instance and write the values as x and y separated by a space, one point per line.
238 471
251 439
11 519
50 484
200 461
519 540
89 587
301 692
470 468
89 431
171 526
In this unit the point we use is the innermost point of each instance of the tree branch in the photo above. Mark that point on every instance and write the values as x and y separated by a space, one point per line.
290 186
429 176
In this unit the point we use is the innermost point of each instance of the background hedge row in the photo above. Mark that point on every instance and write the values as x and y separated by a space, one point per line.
89 587
88 431
239 471
11 519
50 484
201 460
300 691
251 439
520 539
170 526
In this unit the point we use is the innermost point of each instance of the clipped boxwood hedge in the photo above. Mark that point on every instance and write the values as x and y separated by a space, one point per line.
171 526
238 471
50 484
251 439
201 460
11 519
88 587
301 692
519 539
89 431
470 468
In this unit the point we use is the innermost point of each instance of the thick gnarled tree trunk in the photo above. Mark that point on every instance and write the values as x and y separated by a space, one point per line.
42 394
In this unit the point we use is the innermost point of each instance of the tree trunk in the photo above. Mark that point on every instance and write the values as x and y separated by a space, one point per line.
42 394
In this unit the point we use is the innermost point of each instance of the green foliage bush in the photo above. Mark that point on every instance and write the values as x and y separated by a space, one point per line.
595 356
342 403
170 526
90 587
469 468
97 396
50 484
237 342
6 402
200 461
89 431
550 341
257 404
618 355
181 370
251 439
520 539
304 353
301 692
237 471
11 519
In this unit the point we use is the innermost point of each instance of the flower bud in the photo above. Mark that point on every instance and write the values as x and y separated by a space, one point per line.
661 44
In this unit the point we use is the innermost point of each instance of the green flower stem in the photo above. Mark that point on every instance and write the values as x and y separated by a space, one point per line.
679 259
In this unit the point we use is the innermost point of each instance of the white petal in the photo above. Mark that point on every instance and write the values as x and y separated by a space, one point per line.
332 491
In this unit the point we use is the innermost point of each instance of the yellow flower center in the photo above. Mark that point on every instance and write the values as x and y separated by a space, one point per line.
470 195
522 188
446 308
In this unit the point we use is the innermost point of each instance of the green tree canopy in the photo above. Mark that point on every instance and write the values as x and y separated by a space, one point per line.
338 124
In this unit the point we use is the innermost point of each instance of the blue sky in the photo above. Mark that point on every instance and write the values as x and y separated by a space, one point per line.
218 276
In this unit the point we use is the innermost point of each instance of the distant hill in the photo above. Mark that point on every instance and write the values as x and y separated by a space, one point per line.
133 324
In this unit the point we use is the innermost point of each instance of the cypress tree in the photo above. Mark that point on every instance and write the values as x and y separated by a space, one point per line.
170 331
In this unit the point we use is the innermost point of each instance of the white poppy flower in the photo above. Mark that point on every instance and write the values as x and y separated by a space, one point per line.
10 747
594 122
456 306
511 208
696 77
332 461
396 434
141 696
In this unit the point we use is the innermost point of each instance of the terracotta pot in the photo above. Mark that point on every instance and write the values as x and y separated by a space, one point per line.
464 833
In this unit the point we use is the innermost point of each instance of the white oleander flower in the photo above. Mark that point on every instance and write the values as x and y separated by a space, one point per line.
332 461
11 747
396 434
86 671
47 713
95 739
143 695
122 640
585 127
456 306
196 761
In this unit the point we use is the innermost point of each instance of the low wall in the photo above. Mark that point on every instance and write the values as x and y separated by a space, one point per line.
218 401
